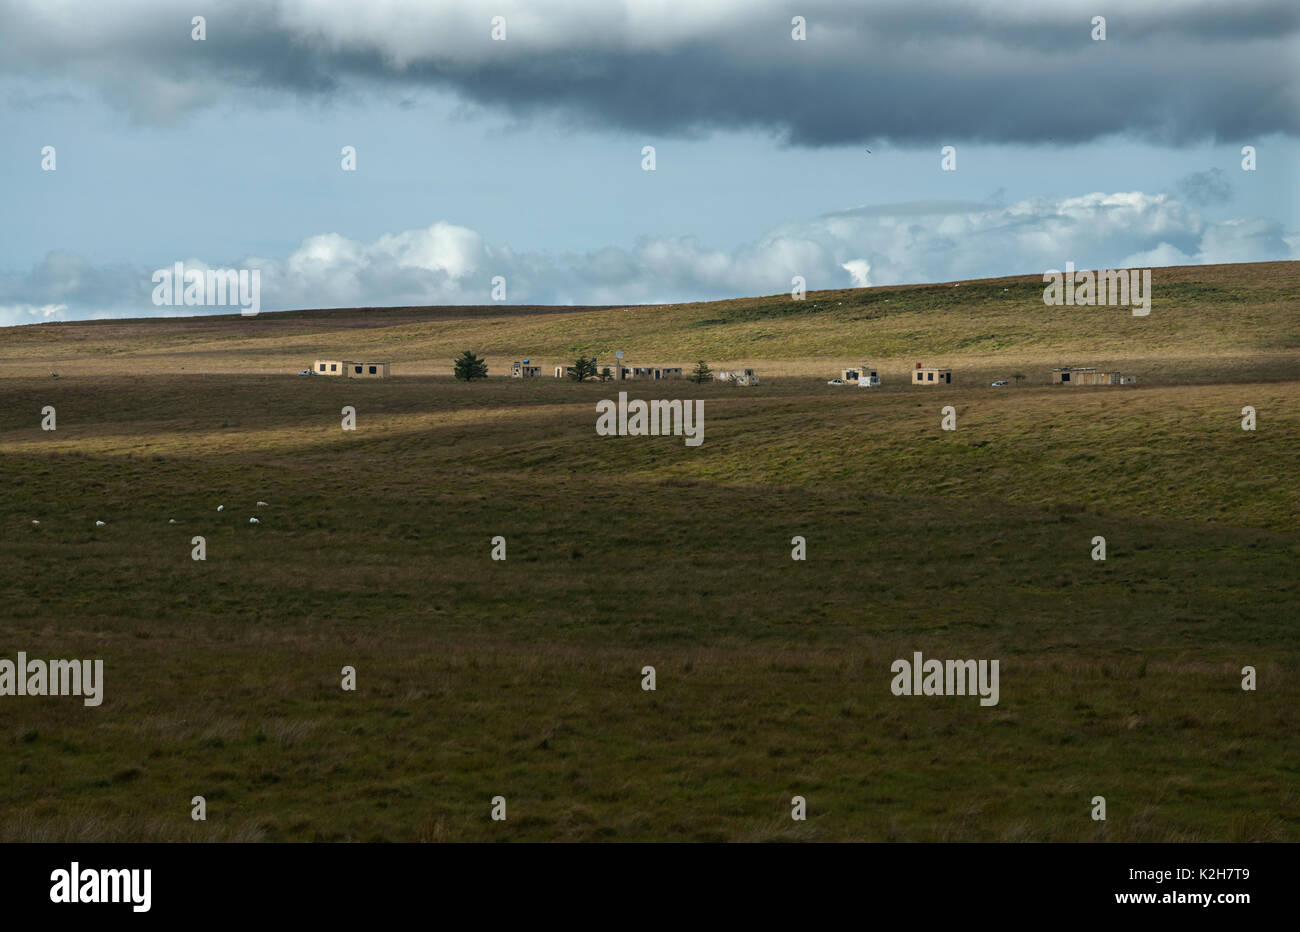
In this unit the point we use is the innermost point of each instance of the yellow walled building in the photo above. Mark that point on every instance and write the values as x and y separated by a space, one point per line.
1070 375
922 375
350 369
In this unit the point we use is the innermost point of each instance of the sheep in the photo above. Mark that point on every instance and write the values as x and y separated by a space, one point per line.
262 505
99 524
35 522
221 508
253 521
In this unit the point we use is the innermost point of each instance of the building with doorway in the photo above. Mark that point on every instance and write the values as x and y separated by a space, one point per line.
1086 375
622 373
737 376
864 375
923 375
349 369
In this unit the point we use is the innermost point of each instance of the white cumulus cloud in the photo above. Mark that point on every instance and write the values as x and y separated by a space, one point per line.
872 245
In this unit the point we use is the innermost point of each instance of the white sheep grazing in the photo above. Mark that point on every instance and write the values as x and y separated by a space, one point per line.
253 521
99 524
171 520
262 505
221 508
36 522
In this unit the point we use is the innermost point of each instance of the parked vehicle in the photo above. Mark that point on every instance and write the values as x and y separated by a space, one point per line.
306 372
835 382
1000 383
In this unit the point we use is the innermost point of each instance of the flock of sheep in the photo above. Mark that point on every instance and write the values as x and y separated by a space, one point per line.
173 520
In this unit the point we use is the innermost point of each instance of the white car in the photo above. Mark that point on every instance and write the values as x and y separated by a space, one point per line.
306 372
1000 383
835 382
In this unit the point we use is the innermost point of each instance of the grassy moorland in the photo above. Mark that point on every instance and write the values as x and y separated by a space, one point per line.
521 678
1204 321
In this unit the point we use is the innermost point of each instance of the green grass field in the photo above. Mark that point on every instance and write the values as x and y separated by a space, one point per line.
522 678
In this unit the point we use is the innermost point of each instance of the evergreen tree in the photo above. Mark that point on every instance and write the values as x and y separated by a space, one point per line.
702 373
468 366
583 369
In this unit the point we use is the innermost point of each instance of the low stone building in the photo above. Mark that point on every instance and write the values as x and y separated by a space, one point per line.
863 375
624 373
737 376
351 369
923 375
1087 375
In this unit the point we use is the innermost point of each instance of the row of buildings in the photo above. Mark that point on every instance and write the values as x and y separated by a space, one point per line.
618 371
526 369
866 375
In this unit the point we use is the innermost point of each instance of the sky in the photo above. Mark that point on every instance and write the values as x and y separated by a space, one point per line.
521 158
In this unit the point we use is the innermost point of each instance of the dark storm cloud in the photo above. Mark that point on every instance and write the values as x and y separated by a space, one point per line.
912 73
